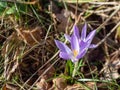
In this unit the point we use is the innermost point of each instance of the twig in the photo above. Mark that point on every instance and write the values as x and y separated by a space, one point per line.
43 74
105 3
102 11
22 2
108 34
94 11
103 24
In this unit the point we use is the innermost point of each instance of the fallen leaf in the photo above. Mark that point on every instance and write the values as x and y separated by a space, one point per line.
90 85
43 84
74 87
111 68
58 84
31 36
9 86
63 20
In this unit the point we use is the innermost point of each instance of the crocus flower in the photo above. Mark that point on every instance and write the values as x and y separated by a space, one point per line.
79 45
74 54
88 39
84 40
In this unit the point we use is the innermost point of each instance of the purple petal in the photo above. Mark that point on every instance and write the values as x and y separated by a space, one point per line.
64 55
74 43
92 46
82 54
83 33
67 56
67 37
62 47
90 36
83 45
74 60
76 31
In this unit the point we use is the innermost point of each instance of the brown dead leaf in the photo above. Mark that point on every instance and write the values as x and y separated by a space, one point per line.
4 87
102 86
111 68
31 36
63 20
74 87
10 41
91 85
9 86
54 7
43 85
58 84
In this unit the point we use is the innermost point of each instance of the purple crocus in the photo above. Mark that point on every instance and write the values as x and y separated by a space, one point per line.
79 45
74 53
85 38
84 41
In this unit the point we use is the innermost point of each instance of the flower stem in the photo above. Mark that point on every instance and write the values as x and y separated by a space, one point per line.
75 69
